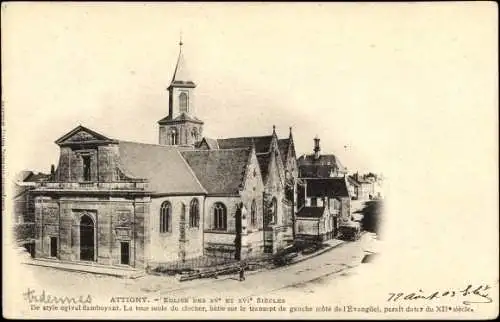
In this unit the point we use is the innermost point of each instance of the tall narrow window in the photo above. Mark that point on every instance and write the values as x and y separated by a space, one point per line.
275 211
314 202
194 213
253 214
220 216
86 168
165 217
183 102
174 136
194 134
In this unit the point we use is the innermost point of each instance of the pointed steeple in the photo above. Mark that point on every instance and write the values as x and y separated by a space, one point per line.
181 73
180 126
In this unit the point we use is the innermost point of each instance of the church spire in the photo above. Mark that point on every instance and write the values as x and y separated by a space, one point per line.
181 74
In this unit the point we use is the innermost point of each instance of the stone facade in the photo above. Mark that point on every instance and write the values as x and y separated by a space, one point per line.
183 240
111 223
222 242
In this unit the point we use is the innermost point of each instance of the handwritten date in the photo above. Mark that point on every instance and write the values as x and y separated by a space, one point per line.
473 294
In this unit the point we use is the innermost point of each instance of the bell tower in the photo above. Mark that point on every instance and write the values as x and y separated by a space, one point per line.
180 126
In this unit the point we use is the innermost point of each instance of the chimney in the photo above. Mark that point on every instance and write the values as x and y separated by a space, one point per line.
316 147
52 169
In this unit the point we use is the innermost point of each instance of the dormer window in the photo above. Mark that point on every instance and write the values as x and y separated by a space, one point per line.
183 102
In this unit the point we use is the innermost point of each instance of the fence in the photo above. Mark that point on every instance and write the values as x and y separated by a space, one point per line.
206 263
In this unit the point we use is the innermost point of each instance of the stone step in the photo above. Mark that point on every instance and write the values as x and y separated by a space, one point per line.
87 268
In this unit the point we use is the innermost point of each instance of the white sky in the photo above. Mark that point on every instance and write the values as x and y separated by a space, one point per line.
391 82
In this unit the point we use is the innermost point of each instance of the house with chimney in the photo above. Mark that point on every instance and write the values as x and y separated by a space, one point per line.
326 196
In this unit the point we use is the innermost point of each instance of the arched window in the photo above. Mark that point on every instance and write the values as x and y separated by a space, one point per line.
165 217
220 216
174 136
194 213
183 102
194 134
253 214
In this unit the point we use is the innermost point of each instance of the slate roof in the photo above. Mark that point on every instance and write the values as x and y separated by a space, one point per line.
212 143
353 181
315 171
181 73
324 159
330 187
23 175
219 171
36 177
264 159
163 166
311 212
262 143
283 145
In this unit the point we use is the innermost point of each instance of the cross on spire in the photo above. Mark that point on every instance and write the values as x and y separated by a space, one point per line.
180 39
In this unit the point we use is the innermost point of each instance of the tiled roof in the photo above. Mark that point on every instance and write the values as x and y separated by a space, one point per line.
331 187
283 147
311 212
163 167
219 171
262 143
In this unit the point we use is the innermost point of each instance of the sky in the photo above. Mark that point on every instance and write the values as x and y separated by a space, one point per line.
380 84
358 75
406 89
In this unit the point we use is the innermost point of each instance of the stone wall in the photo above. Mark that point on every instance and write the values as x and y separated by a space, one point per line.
171 246
103 161
115 220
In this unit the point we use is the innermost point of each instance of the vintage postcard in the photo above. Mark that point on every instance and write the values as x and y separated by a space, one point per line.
250 160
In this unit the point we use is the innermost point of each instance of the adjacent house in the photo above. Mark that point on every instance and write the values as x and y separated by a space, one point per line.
318 165
24 208
315 224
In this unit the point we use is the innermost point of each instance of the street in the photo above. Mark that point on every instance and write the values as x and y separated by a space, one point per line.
275 281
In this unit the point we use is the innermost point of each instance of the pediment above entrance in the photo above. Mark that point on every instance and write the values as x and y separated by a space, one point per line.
80 135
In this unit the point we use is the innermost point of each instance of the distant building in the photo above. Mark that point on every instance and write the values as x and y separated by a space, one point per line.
319 165
327 204
354 187
315 224
24 207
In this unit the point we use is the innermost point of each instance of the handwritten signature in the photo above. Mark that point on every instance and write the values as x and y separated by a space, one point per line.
479 293
32 297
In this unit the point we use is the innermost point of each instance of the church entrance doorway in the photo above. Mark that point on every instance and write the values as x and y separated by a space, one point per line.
87 239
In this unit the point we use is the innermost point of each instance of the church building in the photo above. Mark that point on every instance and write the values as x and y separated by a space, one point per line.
116 202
